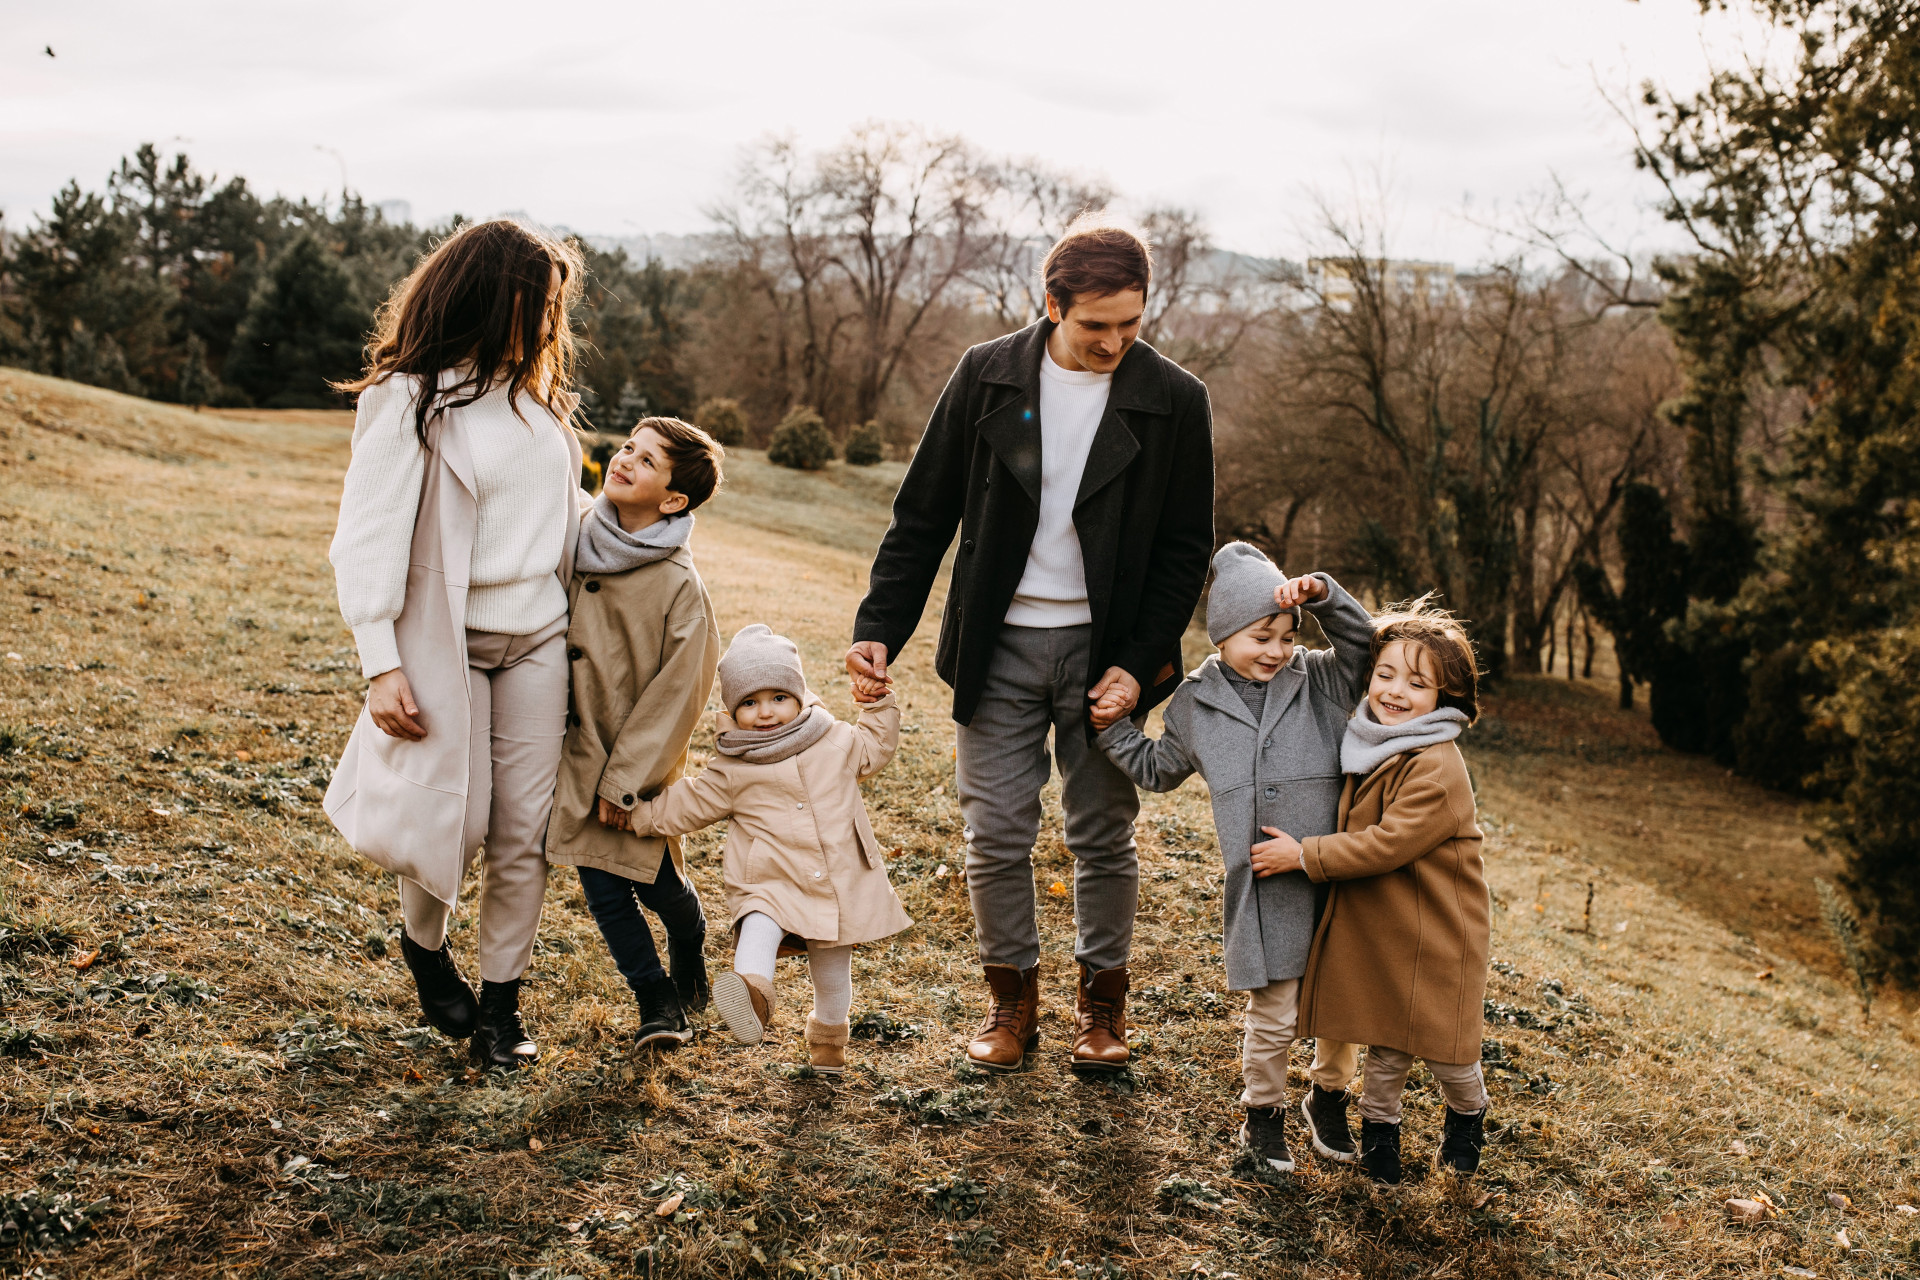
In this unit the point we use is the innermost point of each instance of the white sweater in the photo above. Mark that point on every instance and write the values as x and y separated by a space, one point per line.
1053 589
520 531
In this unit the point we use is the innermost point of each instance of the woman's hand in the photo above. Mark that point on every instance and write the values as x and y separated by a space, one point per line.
390 703
1272 857
612 815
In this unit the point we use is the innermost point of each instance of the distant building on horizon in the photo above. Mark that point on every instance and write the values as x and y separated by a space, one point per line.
1333 278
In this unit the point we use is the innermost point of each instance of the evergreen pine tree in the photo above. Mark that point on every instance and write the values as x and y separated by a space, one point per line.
303 328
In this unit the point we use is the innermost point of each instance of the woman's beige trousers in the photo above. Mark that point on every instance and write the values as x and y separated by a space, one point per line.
518 687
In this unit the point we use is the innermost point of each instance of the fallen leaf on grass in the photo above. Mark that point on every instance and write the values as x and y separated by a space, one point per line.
1799 1271
1766 1200
534 1144
1842 1239
1838 1201
670 1205
1746 1211
1763 975
161 813
1905 1210
1486 1198
1057 889
1739 1148
85 959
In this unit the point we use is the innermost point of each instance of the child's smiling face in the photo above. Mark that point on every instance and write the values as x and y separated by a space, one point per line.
766 709
1404 684
637 480
1259 651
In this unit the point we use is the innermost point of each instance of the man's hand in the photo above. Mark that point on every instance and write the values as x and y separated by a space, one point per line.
1115 695
1272 857
612 815
867 661
390 703
1295 592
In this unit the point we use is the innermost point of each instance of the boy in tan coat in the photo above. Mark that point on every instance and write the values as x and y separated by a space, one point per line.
800 857
1399 962
641 648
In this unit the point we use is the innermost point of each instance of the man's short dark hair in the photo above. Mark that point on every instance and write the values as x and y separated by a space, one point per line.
693 456
1099 254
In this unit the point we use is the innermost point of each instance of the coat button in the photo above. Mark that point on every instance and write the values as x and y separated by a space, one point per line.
800 806
967 545
626 802
1269 793
594 585
575 653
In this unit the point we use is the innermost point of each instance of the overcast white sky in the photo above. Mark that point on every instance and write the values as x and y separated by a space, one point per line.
628 117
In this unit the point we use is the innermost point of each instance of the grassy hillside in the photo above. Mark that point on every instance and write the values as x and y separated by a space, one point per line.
208 1038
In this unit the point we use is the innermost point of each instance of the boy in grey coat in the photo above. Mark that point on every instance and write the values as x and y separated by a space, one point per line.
1261 722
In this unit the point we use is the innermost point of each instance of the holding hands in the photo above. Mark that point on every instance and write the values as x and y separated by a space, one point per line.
1115 695
1280 854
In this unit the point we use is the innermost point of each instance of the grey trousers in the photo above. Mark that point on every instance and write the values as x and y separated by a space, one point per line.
1036 683
518 687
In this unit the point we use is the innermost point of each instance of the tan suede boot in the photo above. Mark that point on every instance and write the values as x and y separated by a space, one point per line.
826 1046
745 1001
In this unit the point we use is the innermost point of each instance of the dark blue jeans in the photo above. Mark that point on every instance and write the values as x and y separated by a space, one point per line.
616 901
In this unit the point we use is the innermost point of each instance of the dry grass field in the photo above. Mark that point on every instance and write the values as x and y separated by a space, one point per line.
212 1064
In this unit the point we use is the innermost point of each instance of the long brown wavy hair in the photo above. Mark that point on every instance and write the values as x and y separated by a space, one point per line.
478 302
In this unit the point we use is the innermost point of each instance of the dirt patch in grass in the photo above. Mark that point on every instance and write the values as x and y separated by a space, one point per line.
211 1064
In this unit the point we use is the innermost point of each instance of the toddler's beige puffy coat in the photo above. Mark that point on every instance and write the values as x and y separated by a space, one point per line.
799 846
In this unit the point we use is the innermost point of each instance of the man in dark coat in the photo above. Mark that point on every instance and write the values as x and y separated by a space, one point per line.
1077 465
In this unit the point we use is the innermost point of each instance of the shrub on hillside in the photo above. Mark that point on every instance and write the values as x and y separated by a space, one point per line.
865 446
723 419
801 441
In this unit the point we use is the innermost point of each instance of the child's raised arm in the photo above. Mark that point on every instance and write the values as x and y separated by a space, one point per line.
1154 765
685 807
877 735
1423 816
1341 671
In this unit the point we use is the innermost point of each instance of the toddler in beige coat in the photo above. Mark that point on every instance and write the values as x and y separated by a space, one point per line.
800 857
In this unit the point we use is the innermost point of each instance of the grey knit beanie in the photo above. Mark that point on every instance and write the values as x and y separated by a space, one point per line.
1242 592
758 659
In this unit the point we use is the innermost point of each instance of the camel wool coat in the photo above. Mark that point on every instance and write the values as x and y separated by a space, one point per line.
403 804
799 847
641 648
1400 958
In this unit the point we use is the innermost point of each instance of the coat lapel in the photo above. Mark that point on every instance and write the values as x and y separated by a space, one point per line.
1214 691
1282 690
1139 388
1012 427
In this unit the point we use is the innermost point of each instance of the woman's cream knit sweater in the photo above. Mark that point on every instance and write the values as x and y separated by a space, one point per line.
520 474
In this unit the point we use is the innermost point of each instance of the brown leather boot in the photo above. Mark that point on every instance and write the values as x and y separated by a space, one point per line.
1012 1025
1100 1021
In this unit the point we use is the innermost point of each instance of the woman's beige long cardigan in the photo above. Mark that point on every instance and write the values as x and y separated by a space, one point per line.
799 847
402 803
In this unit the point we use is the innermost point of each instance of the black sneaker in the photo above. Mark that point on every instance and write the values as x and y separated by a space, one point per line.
662 1021
1326 1113
1265 1134
502 1040
1380 1150
687 960
1460 1142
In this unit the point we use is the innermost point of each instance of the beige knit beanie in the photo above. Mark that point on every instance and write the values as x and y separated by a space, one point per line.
758 659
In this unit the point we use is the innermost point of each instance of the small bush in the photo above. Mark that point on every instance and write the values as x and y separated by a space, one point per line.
801 441
723 419
865 446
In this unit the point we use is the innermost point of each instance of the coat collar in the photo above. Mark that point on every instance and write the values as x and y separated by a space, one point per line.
1140 385
1214 690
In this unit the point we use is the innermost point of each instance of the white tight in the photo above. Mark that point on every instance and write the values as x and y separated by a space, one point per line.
831 968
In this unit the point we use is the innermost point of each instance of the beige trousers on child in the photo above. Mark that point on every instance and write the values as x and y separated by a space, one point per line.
1461 1084
518 687
1273 1011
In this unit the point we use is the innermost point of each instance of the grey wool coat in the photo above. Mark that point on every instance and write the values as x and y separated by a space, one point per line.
1282 772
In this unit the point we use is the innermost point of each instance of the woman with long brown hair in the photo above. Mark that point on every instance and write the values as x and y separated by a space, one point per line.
457 529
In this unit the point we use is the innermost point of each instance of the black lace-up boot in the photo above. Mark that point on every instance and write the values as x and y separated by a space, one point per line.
445 998
1264 1133
1326 1113
502 1039
662 1022
1460 1142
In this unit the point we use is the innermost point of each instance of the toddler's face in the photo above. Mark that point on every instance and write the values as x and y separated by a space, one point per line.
766 709
1259 651
1403 684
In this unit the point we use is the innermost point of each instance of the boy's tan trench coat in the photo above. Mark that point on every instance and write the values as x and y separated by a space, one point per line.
1400 957
401 803
642 647
799 846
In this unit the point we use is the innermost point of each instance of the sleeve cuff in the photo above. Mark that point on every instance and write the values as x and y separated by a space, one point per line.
1310 860
613 793
1117 732
887 702
379 651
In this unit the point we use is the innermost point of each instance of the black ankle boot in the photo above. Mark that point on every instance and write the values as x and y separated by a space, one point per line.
687 959
445 998
502 1039
1380 1150
1460 1142
661 1020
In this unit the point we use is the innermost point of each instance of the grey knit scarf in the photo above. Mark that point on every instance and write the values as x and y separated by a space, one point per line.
607 548
1368 744
770 746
